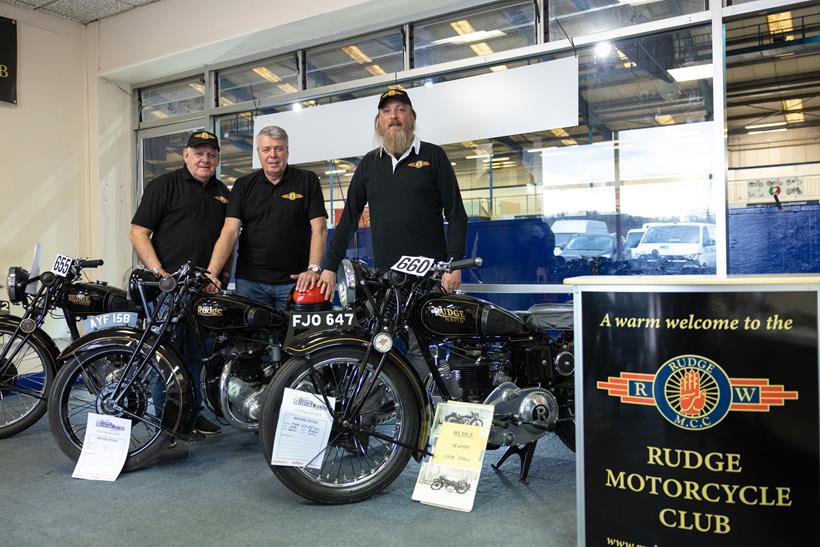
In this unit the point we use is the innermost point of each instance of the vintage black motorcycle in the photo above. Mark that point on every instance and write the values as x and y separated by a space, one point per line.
140 375
28 355
475 351
460 486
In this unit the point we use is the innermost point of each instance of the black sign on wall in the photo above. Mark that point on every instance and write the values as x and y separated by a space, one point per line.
701 418
8 60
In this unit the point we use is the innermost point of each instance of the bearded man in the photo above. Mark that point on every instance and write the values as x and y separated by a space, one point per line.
407 183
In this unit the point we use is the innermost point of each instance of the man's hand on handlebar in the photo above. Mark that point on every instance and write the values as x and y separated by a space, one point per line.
451 281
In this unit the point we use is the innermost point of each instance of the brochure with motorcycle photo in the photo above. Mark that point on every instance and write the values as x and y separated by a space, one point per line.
459 438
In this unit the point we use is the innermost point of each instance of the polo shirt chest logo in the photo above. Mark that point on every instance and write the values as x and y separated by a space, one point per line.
292 196
419 164
221 199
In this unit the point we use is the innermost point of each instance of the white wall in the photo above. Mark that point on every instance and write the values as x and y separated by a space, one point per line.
43 145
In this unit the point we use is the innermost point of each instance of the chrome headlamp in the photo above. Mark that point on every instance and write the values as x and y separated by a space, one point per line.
346 281
16 283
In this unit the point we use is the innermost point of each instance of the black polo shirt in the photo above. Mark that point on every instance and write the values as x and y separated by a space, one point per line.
406 207
275 238
185 216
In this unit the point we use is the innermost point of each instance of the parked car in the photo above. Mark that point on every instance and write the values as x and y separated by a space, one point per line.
590 246
565 230
679 247
633 237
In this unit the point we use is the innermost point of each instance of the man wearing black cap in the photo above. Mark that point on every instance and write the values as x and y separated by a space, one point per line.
178 220
407 183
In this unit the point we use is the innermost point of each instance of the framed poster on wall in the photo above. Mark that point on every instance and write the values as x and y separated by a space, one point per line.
8 60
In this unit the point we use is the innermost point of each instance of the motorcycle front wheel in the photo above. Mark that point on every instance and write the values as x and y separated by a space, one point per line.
355 464
25 380
84 385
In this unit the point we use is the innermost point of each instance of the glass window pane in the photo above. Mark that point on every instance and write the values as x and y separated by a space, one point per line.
477 33
174 99
162 154
354 59
579 18
772 107
236 138
261 80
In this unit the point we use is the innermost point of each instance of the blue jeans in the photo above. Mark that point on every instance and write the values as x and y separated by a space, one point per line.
265 293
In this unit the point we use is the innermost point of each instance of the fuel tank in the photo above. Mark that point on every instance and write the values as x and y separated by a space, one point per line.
86 299
465 316
228 312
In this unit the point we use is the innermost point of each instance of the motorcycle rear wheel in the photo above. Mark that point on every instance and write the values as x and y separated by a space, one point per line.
373 462
25 381
79 389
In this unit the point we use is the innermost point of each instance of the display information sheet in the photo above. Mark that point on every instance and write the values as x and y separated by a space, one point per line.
700 417
105 448
459 438
302 431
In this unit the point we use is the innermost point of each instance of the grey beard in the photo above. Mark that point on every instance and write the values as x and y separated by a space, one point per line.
396 142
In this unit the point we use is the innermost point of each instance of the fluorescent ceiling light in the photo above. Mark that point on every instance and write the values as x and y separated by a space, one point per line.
267 74
200 88
768 131
498 68
475 36
477 156
287 88
689 73
357 55
505 158
790 105
296 107
337 171
762 125
375 70
602 49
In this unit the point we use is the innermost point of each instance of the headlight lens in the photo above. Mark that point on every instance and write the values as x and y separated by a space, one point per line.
346 281
16 283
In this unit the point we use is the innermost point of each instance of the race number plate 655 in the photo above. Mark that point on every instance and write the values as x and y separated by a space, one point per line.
61 265
321 319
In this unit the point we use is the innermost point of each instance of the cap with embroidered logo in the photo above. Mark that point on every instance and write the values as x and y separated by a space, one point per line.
203 137
398 94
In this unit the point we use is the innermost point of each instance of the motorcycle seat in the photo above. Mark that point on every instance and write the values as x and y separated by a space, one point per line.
550 316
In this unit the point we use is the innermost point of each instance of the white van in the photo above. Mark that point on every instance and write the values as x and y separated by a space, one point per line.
690 242
565 230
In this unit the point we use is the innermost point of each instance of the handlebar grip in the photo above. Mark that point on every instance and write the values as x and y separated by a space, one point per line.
466 263
90 263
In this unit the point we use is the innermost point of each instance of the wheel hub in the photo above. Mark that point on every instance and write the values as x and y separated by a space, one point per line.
134 403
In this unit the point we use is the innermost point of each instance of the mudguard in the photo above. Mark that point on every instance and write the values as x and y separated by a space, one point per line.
179 399
304 344
44 339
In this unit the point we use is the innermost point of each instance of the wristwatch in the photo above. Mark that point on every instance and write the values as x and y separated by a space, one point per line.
315 268
156 270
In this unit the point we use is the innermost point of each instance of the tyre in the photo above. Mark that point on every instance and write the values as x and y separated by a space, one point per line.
462 487
355 465
26 376
82 387
436 484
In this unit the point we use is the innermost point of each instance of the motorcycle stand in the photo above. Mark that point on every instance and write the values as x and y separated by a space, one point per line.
525 453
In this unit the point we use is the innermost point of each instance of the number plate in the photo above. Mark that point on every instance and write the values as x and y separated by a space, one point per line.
111 319
61 265
413 265
4 307
321 320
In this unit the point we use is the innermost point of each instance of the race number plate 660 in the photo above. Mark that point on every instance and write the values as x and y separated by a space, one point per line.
321 319
413 265
61 265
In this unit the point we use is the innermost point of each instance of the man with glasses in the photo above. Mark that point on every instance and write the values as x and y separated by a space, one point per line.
179 220
281 212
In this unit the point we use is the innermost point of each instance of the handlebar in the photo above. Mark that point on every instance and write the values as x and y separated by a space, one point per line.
90 263
465 263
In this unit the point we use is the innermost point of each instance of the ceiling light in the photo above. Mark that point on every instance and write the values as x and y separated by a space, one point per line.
428 83
357 55
336 171
498 68
477 156
296 107
780 24
602 49
762 125
224 101
159 114
689 73
664 119
267 74
200 88
375 70
462 27
475 36
792 105
768 131
287 88
481 49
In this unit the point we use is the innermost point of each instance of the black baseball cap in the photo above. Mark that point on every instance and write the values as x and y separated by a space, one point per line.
203 137
398 94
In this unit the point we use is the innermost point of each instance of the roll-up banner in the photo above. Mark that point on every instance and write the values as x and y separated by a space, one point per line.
8 60
700 418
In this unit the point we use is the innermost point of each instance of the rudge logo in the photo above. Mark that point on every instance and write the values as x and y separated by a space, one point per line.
693 392
292 196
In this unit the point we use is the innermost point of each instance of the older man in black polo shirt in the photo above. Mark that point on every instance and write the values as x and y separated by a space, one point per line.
179 220
407 183
281 212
